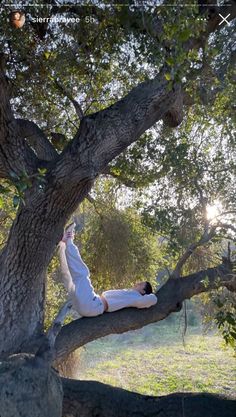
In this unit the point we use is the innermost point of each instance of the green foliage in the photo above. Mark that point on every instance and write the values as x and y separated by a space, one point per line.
19 184
105 55
219 308
118 248
193 162
226 321
7 211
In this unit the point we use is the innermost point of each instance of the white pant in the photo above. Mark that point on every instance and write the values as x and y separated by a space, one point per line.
77 281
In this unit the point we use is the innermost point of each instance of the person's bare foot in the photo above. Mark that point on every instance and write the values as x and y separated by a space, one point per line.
69 233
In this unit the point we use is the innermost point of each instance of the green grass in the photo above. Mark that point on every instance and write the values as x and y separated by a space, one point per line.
154 361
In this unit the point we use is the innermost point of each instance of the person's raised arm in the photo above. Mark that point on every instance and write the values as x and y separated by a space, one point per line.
147 301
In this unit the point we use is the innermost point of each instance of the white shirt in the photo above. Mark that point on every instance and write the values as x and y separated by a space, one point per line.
118 299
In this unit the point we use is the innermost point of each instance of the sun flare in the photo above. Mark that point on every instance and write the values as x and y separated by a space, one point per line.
213 211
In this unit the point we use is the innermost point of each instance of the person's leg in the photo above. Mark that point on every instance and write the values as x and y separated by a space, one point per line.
88 303
78 269
66 276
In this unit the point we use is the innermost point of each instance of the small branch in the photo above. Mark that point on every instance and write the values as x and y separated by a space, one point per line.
203 202
206 237
226 226
91 199
77 106
225 213
57 322
100 213
229 252
46 350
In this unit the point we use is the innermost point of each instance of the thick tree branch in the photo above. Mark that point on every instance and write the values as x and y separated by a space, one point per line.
37 139
104 135
90 399
170 298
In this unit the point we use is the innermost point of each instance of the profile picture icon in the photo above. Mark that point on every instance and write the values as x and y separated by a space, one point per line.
17 19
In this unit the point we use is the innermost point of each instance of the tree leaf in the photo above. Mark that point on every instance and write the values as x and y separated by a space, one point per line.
185 35
167 76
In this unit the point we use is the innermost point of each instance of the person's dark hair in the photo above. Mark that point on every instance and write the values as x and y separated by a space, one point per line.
148 288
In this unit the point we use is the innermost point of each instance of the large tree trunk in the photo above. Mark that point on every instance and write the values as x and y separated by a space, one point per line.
93 399
35 232
29 388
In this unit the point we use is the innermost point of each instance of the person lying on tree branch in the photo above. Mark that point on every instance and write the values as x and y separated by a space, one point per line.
77 281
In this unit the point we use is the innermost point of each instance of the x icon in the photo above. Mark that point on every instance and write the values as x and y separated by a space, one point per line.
224 19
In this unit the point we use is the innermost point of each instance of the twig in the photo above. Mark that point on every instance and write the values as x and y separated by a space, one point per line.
204 239
77 106
226 226
58 321
46 349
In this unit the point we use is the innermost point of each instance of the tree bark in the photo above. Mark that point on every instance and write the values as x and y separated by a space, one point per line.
15 154
37 139
93 399
29 388
169 299
35 232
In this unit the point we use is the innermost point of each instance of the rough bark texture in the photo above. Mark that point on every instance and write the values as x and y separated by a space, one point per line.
170 298
93 399
29 388
37 139
15 154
